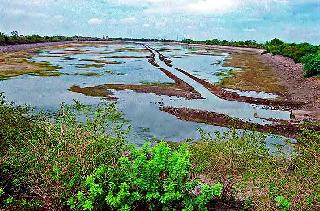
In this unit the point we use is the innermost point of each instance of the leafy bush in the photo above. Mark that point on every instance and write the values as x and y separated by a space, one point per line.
291 50
53 155
282 203
147 178
311 65
79 157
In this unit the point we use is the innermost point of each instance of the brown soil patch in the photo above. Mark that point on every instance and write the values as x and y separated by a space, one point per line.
97 91
104 90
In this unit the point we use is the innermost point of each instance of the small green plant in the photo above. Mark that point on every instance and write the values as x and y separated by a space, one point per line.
311 65
1 192
8 201
148 178
282 203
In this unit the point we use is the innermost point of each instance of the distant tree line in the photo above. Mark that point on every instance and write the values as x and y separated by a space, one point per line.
247 43
141 39
305 53
14 38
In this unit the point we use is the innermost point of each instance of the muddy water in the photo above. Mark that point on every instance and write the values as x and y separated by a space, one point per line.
127 63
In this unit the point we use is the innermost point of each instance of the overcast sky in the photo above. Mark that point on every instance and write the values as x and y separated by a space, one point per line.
290 20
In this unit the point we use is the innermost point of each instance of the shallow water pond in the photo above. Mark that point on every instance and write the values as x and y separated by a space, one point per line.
127 63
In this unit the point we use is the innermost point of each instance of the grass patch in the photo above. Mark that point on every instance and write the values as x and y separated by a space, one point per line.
97 91
101 61
158 83
255 75
95 65
256 176
18 63
225 74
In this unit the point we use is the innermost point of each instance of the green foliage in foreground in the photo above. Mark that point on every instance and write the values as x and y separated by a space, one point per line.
147 178
49 157
80 158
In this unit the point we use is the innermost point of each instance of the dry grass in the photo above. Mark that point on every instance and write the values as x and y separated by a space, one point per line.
255 75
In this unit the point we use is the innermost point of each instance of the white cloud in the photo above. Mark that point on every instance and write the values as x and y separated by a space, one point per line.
58 18
212 6
95 21
128 20
249 30
24 13
198 7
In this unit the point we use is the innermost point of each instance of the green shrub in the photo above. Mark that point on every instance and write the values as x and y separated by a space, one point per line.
55 154
311 65
147 178
282 203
